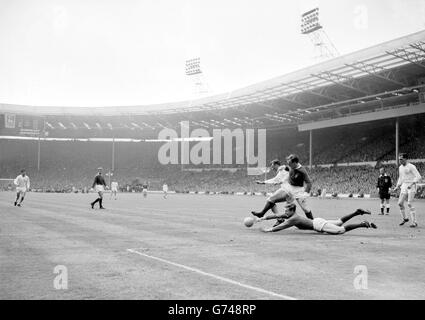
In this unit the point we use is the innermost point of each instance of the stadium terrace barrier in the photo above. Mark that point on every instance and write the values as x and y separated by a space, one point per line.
369 163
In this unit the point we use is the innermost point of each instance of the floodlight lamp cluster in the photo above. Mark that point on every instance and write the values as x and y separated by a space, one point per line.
310 21
193 66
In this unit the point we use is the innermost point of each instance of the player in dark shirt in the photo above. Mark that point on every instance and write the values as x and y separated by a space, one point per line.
384 185
298 177
99 185
300 183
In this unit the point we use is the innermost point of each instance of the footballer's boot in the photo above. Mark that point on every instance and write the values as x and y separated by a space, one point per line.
257 214
16 202
102 208
279 222
92 205
362 212
403 222
370 225
414 225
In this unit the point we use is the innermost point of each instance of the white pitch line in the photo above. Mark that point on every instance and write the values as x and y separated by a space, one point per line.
237 283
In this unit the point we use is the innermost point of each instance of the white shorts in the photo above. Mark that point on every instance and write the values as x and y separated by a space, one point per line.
404 190
99 188
319 224
145 190
114 190
21 189
296 192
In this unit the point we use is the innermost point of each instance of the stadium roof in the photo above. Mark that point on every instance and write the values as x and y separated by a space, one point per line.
353 79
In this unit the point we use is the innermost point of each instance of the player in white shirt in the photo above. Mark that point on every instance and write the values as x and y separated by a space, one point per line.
22 183
114 189
407 180
165 190
282 179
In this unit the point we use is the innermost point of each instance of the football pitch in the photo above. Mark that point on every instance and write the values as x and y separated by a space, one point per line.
196 247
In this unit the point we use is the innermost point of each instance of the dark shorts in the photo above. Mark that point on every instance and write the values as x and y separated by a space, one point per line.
384 196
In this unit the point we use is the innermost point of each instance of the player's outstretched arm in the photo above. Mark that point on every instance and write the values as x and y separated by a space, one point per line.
286 225
274 217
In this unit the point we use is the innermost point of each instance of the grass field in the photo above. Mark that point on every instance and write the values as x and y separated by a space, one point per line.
196 247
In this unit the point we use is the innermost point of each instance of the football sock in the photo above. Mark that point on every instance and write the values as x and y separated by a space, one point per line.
403 213
413 215
96 201
388 208
269 205
348 217
100 202
355 226
382 208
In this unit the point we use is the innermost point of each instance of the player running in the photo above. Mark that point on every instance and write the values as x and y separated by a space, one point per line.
292 178
299 183
320 225
114 189
407 180
280 195
384 185
99 185
22 183
165 190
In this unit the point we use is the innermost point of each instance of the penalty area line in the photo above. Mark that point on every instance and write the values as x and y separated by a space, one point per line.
237 283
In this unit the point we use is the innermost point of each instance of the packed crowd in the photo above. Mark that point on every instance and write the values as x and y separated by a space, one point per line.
67 166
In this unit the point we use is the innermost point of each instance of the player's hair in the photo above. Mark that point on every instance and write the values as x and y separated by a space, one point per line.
403 156
23 170
293 158
276 161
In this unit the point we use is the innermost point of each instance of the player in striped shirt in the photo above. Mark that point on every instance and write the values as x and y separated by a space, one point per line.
22 183
407 180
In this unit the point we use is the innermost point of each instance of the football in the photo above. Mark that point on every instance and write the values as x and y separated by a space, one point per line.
249 222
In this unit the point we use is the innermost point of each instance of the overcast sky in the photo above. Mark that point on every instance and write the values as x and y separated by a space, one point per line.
133 52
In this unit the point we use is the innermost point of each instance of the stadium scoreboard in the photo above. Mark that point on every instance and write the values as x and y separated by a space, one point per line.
20 125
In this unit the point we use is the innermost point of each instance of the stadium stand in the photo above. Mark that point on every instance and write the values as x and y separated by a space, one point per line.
68 165
349 106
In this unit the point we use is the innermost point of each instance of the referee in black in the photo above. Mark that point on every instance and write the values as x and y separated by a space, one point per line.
384 185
